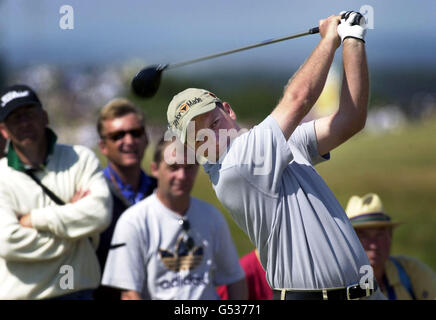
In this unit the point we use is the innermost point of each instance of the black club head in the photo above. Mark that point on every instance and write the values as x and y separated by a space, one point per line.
146 83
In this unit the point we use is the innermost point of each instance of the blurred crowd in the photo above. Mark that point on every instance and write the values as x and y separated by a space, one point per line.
74 96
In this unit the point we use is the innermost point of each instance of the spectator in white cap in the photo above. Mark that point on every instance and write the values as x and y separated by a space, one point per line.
400 277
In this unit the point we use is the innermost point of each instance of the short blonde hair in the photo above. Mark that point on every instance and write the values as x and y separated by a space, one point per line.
117 108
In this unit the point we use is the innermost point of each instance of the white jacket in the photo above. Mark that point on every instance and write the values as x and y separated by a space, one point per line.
31 259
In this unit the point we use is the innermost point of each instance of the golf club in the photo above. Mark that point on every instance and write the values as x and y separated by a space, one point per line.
146 82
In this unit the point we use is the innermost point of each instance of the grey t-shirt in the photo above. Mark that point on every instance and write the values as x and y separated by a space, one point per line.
271 189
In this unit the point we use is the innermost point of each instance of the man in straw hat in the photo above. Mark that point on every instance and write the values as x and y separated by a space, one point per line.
401 277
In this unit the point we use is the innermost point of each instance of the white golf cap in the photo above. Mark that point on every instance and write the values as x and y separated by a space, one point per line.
185 106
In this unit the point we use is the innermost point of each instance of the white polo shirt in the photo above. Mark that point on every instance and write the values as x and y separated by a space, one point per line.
271 189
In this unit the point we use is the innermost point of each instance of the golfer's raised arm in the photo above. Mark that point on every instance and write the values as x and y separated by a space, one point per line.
333 130
306 85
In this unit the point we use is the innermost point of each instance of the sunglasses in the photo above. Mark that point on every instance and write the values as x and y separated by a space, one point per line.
118 135
186 226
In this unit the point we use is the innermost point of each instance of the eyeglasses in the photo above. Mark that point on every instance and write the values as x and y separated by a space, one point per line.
118 135
186 227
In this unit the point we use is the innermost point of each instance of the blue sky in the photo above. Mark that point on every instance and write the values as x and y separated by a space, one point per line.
161 31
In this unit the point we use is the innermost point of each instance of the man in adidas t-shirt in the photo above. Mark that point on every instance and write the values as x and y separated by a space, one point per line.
171 245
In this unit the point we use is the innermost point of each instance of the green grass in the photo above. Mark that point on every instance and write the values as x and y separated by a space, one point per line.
400 166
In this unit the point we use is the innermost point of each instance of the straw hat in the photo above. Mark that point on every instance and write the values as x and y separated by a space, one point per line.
368 212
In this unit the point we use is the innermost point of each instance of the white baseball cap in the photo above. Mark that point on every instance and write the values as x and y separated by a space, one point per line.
186 105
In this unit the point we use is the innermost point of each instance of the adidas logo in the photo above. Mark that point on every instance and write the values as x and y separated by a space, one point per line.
182 258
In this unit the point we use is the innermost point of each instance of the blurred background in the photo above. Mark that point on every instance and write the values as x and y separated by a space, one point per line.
76 71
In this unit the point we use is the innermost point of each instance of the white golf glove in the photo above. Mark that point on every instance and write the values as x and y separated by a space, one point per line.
353 25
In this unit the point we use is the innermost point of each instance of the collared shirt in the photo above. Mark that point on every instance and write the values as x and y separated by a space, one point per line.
123 197
422 280
269 186
15 162
145 185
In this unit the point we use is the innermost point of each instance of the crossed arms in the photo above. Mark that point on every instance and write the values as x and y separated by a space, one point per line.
47 232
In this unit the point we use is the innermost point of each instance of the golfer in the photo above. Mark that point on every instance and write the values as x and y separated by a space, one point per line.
306 243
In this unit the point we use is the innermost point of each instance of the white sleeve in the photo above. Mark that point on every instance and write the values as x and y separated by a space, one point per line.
228 269
18 243
89 215
304 138
125 265
261 156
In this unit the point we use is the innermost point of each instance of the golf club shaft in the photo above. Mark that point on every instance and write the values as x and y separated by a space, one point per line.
260 44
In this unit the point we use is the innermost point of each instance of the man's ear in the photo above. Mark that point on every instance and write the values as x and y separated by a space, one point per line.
3 131
390 232
102 146
154 168
228 109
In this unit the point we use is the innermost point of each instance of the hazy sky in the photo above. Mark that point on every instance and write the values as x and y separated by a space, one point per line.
161 31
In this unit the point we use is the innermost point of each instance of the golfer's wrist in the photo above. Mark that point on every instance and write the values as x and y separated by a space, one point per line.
351 39
331 42
353 43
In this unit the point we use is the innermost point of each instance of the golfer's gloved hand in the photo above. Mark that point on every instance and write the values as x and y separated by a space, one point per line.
353 25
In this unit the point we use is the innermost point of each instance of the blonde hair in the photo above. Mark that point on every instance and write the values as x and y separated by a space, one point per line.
117 108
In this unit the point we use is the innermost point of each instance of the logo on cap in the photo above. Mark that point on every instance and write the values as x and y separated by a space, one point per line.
13 95
190 103
183 108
